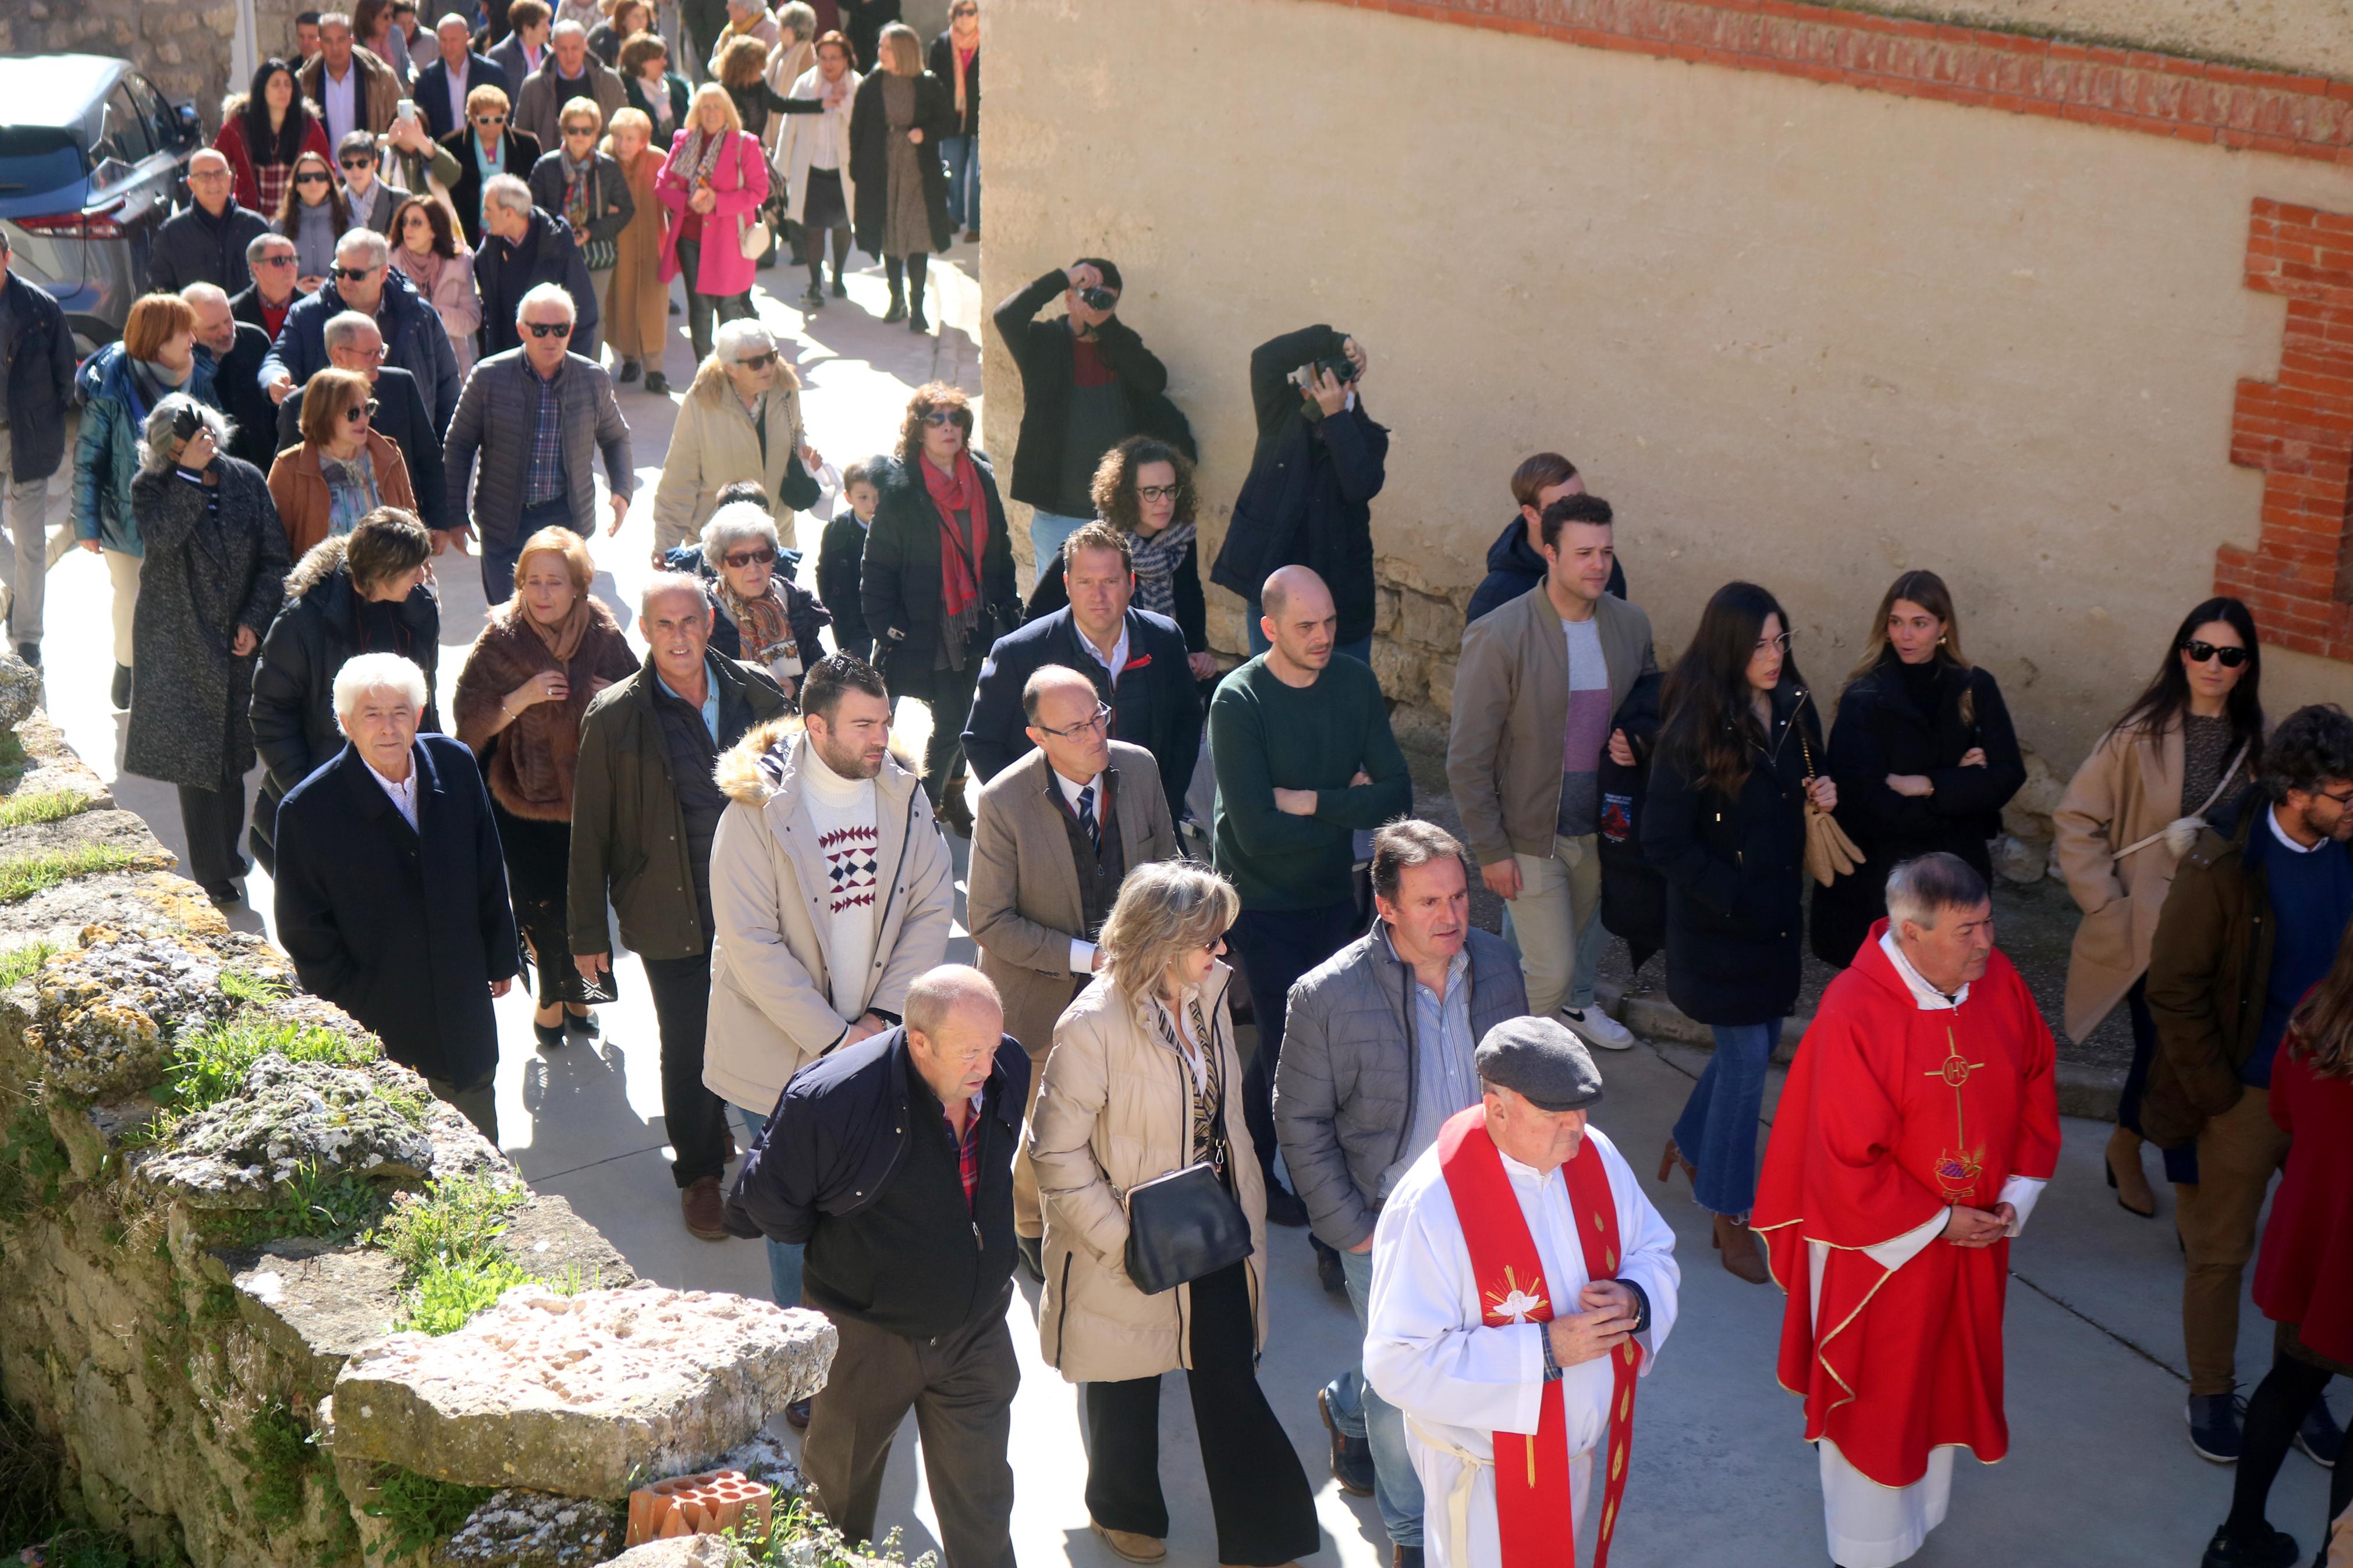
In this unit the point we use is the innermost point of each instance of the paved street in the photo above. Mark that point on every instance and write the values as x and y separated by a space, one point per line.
2100 1471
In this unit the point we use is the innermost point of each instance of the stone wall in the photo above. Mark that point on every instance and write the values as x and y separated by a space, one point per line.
266 1299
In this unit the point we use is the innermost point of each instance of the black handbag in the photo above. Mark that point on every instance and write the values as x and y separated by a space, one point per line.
1186 1225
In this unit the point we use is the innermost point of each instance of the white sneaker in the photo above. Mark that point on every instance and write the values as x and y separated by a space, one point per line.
1599 1029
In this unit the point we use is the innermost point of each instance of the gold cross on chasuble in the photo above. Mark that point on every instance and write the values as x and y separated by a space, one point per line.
1959 1166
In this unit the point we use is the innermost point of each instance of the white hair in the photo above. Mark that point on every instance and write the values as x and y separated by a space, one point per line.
335 19
1921 890
547 294
733 337
156 447
343 328
577 31
799 19
358 240
668 582
366 672
735 521
507 191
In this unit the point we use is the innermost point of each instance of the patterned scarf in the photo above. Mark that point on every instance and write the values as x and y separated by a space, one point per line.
1208 1080
766 627
952 493
698 155
576 190
1156 556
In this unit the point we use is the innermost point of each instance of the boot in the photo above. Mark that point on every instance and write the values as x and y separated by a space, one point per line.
915 321
1742 1255
898 310
628 372
2129 1182
1673 1158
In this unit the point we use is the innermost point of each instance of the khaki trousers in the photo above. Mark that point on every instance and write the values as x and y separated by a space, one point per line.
124 568
2237 1153
1560 896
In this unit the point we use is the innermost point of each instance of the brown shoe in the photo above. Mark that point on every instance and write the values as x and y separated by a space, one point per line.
1128 1544
1671 1160
1742 1255
705 1213
2133 1194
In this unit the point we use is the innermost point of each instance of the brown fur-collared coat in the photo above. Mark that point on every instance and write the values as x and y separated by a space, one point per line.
529 764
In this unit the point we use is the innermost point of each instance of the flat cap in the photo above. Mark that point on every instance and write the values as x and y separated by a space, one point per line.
1542 1061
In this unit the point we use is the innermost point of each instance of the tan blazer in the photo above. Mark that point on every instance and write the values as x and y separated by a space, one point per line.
2129 788
1116 1111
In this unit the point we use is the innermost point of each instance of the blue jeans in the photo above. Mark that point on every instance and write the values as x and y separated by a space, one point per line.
1360 1412
499 556
783 1257
1717 1131
1361 650
962 155
1047 531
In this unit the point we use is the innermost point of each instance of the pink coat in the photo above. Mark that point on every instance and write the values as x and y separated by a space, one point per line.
739 178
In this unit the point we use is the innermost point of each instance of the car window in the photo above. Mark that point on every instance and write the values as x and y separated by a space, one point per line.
38 159
123 131
162 119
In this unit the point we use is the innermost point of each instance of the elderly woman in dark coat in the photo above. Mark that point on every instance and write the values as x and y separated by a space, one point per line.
392 900
758 613
216 569
364 592
527 683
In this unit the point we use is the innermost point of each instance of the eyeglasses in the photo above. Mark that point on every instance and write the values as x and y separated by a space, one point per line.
360 411
1156 492
208 175
939 417
286 260
1083 727
350 274
549 329
310 177
2200 652
1774 645
758 362
489 120
363 161
743 558
2345 799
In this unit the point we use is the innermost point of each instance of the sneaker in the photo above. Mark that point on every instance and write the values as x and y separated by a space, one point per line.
2214 1425
1282 1205
1598 1028
2271 1549
2320 1437
1352 1458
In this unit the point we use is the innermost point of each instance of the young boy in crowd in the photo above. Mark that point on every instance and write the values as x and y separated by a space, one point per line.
839 557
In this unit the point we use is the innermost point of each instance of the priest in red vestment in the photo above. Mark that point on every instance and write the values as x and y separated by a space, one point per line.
1918 1127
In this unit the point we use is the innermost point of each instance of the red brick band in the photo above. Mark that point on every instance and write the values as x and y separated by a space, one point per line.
2129 89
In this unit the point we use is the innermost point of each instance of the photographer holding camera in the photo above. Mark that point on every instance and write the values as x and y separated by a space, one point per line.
1088 383
1308 499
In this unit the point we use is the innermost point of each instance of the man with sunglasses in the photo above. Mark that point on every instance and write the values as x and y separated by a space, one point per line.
399 416
2251 922
1054 835
534 420
740 422
1136 659
365 281
525 247
270 260
205 242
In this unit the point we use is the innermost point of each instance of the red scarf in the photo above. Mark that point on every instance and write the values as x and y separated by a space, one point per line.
952 493
1534 1516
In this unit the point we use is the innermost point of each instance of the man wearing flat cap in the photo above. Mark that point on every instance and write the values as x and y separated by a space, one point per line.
1521 1283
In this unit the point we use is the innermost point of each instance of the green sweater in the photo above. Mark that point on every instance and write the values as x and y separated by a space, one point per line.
1264 736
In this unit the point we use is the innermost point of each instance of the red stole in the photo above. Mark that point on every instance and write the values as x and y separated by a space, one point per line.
1534 1513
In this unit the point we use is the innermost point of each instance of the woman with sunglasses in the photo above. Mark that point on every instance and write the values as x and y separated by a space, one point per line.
368 198
740 420
263 132
760 614
342 470
1724 822
485 146
2191 741
313 216
541 657
425 251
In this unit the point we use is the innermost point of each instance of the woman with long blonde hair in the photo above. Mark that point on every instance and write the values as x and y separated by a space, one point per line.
711 184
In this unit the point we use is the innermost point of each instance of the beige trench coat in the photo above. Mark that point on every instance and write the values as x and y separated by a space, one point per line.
713 445
1116 1111
2129 788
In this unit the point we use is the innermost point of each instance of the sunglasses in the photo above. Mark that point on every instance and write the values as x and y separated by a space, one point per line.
312 177
350 274
549 329
955 416
579 131
758 362
2200 652
489 120
743 558
275 261
360 411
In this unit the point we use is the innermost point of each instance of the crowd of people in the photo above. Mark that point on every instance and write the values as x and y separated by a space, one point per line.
418 271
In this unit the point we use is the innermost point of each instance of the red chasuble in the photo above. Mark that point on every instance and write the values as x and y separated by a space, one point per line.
1535 1512
1890 1114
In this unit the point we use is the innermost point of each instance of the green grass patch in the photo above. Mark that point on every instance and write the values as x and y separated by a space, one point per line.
22 876
340 1204
447 1241
33 1167
209 1066
418 1511
21 964
41 806
278 1457
447 1295
253 989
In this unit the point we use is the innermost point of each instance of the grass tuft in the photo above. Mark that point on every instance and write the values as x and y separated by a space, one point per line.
278 1464
419 1510
253 989
339 1204
33 1168
41 806
21 964
22 876
447 1241
445 1297
209 1066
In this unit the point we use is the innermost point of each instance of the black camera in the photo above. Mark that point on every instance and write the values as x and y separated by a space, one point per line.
1339 367
1099 298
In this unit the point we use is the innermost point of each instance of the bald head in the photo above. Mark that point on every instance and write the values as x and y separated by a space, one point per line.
210 180
954 1025
216 324
1301 623
1067 721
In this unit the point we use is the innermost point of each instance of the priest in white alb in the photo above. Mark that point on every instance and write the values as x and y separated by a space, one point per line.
1521 1284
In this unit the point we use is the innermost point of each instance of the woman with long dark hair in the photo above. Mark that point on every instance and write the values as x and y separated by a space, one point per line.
2305 1281
1922 753
314 215
264 132
2190 742
427 251
1725 823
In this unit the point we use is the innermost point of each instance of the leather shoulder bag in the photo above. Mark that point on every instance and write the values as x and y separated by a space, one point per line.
1186 1225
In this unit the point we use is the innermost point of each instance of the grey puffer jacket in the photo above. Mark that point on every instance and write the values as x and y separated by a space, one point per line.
1343 1092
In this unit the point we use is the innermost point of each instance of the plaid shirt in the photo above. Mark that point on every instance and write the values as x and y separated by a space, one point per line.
967 1148
543 478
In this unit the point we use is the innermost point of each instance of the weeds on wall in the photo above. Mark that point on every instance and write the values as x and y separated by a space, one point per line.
448 1241
42 806
804 1538
22 876
418 1510
280 1454
21 964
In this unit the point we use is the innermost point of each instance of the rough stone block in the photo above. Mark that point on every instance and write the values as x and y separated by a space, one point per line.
292 1115
105 1016
2028 812
315 1304
546 1237
581 1394
20 690
1430 623
518 1529
2019 861
1400 670
685 1551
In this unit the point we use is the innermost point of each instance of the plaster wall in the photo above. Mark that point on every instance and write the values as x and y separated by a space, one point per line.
1802 333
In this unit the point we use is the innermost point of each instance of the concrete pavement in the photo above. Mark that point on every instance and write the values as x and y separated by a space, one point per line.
2099 1473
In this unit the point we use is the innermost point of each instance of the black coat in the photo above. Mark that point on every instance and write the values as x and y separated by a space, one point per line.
898 579
504 273
204 575
517 154
315 635
839 560
1308 499
941 59
609 201
194 247
1514 568
1192 616
870 159
431 90
1633 894
237 383
1879 733
39 367
1735 872
1041 351
1155 705
805 614
405 930
402 418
